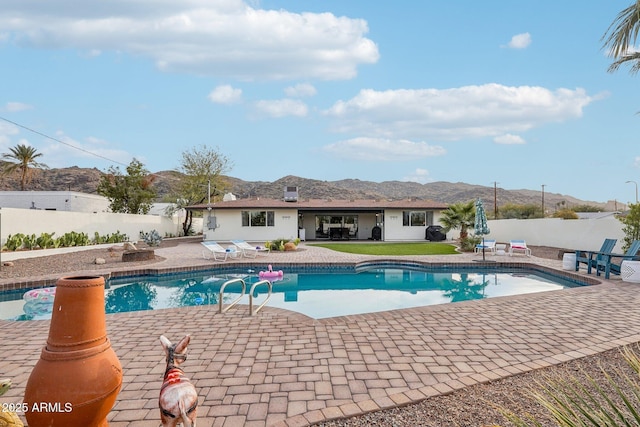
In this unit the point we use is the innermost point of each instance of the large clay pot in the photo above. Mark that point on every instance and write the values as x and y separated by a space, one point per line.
78 377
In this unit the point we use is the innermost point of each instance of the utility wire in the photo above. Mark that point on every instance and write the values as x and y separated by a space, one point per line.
172 178
61 142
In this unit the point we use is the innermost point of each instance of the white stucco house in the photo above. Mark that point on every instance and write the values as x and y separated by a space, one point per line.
68 201
260 219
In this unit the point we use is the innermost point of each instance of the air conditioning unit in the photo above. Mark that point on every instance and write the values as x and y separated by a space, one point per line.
290 194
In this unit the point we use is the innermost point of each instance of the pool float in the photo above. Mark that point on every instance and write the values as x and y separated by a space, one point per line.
270 274
35 308
42 295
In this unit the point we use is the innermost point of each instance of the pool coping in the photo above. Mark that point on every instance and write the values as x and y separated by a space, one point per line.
158 271
412 395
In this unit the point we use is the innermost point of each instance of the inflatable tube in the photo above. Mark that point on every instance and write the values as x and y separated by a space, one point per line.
41 295
270 274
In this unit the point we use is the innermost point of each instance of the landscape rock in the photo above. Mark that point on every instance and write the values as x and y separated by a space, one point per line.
128 246
138 255
99 261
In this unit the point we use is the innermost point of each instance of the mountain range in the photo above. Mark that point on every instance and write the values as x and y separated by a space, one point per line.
86 180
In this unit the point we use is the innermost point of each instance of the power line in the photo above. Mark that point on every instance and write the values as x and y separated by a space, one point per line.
77 148
61 142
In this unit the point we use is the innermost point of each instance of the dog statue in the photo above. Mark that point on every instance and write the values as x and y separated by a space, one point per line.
178 397
8 418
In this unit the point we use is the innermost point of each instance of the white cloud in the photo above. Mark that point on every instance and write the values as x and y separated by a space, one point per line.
520 41
420 176
225 38
69 151
636 162
226 94
282 107
489 110
377 149
14 107
509 139
300 90
7 132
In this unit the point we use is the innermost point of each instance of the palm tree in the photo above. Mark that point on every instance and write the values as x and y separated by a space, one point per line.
459 215
22 158
620 37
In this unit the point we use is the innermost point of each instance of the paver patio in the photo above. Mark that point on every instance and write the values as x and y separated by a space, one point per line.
281 368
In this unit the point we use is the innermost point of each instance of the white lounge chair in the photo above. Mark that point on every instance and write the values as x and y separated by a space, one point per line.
213 249
519 245
489 246
249 251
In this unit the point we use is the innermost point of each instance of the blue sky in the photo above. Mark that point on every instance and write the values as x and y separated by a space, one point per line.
513 92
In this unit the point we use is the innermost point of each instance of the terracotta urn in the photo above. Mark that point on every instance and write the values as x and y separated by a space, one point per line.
78 377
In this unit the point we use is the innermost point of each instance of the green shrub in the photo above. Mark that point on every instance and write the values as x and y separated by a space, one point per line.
278 244
46 241
14 242
29 241
72 238
469 243
566 214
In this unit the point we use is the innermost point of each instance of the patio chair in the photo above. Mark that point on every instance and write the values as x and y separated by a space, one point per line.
489 246
591 258
249 251
213 249
519 245
606 264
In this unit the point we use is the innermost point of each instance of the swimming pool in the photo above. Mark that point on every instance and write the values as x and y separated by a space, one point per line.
317 292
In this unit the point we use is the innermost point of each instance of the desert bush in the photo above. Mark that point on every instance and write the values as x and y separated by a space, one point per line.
469 243
279 244
579 400
152 238
14 242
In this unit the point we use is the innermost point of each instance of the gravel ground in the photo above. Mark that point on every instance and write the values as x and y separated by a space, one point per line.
64 264
473 406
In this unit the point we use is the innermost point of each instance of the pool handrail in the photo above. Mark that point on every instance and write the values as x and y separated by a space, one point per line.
234 302
253 287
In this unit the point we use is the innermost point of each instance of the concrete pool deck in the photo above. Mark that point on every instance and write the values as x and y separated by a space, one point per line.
283 369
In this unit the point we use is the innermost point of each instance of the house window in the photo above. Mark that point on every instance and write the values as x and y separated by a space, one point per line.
416 218
258 218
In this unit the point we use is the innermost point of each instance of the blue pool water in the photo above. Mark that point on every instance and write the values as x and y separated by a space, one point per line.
315 292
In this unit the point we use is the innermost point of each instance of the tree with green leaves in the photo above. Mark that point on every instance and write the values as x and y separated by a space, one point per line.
132 192
203 168
631 226
23 159
620 38
528 211
459 216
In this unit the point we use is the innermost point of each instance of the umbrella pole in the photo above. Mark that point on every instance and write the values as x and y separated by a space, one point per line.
483 248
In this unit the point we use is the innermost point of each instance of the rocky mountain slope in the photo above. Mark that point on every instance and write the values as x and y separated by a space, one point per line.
85 180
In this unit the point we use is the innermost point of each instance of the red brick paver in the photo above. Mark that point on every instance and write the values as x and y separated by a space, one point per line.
283 369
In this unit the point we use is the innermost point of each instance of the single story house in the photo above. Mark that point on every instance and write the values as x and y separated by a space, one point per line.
69 201
260 219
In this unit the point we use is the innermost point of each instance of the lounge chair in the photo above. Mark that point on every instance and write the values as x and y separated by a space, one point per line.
606 264
249 251
519 245
591 258
213 249
489 246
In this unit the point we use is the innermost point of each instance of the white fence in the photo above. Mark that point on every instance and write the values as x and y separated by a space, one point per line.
32 221
587 234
